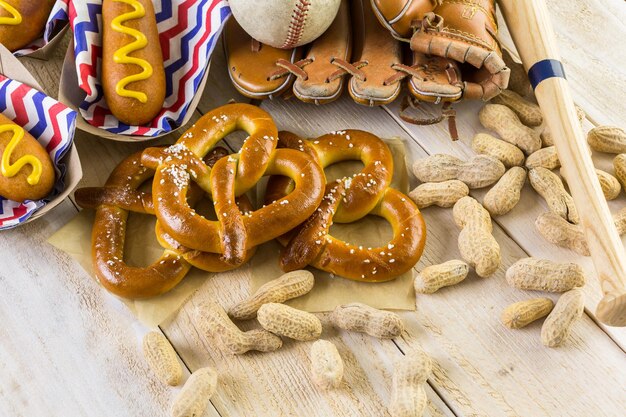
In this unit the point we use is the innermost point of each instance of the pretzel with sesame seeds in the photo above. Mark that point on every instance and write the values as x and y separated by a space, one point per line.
234 233
347 200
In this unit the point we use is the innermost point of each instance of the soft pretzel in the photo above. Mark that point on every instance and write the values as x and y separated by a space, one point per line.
120 195
112 202
234 233
348 200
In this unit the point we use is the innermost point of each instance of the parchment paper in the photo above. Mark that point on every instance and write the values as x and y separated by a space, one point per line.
142 249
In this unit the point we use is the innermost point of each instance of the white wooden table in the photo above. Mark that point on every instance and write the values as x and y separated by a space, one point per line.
67 348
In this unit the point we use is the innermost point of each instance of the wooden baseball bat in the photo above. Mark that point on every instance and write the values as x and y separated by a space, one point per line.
531 29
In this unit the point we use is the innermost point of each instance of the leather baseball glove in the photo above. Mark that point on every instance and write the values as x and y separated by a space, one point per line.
456 53
355 51
465 31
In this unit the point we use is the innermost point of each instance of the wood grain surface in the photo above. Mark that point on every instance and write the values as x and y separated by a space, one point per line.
70 349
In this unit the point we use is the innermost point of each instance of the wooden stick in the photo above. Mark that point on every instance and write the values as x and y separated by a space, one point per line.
531 29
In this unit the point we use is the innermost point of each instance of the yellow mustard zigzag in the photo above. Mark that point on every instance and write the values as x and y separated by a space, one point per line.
10 170
14 19
121 56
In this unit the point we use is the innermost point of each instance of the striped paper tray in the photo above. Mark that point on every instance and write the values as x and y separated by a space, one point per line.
48 121
188 33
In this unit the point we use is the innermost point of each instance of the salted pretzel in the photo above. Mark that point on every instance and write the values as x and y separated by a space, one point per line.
207 261
234 233
112 202
348 200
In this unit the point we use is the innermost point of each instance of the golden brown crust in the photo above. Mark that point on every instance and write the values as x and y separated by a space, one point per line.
348 200
187 170
239 232
112 202
17 188
127 109
34 16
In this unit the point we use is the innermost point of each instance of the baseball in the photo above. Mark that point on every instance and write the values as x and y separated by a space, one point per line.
285 24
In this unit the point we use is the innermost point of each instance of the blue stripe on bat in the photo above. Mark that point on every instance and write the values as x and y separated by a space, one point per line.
542 70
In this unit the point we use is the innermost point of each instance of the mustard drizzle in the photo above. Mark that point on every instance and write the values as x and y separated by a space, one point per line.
10 170
14 19
121 56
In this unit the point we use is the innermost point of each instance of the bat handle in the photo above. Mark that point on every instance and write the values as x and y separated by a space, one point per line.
531 30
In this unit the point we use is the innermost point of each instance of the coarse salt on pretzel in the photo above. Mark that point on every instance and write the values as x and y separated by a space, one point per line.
233 233
207 261
120 195
347 200
112 202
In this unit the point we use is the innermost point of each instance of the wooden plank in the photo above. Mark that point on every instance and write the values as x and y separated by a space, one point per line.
588 33
279 383
48 73
429 325
68 348
519 223
454 382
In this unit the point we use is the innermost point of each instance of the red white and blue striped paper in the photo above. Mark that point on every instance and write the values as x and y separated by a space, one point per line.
188 32
48 121
58 17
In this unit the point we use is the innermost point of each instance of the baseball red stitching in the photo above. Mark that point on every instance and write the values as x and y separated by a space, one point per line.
296 26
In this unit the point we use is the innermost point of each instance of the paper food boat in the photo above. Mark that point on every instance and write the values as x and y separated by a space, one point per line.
189 31
51 123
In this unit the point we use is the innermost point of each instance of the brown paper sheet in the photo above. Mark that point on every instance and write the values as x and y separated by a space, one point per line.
142 249
328 292
45 52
